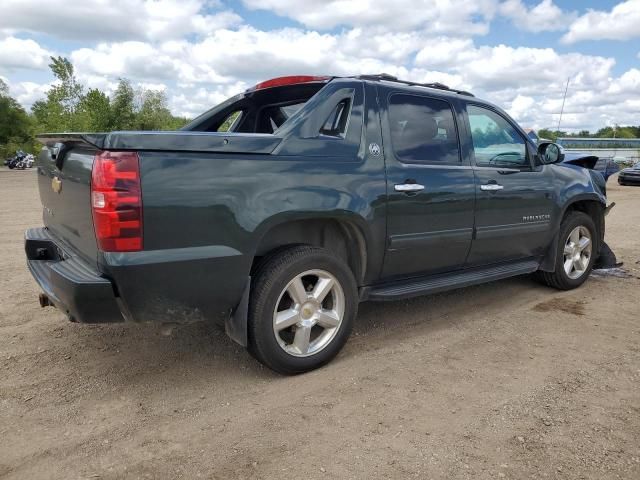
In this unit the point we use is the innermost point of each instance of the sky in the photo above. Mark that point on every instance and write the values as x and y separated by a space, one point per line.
515 53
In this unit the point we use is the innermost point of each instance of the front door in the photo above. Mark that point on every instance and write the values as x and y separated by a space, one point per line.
430 186
514 197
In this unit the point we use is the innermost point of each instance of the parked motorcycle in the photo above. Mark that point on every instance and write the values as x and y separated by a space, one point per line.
20 161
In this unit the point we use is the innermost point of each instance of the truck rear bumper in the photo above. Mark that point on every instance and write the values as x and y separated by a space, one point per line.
69 283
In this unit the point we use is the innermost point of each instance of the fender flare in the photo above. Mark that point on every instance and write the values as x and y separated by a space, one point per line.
549 260
236 324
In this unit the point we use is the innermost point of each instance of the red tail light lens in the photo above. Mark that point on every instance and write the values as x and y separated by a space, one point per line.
290 80
116 200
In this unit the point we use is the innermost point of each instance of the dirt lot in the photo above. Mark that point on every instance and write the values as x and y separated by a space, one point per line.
506 380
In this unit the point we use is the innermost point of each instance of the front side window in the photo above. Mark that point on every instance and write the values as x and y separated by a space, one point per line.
423 130
496 143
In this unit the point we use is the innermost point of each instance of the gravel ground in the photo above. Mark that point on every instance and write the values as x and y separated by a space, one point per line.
505 380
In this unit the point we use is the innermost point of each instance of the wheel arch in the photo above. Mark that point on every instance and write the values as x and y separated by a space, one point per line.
594 206
343 236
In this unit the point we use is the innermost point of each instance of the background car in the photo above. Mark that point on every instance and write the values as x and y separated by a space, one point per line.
630 176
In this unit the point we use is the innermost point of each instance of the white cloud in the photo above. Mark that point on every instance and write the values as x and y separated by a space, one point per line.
199 53
135 59
113 19
528 82
251 55
16 53
492 69
621 23
26 93
545 16
192 103
470 16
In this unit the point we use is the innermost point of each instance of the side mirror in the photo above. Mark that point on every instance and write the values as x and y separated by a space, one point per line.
549 152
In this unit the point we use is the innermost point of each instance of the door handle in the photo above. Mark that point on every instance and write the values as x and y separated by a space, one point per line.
491 187
408 187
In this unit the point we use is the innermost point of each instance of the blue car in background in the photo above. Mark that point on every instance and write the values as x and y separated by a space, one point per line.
606 166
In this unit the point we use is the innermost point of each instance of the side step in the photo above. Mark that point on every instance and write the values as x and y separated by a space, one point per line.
449 281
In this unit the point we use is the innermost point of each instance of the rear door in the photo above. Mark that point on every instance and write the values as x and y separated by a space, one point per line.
514 197
430 187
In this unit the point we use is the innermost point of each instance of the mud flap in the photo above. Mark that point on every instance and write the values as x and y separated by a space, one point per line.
607 258
548 263
235 325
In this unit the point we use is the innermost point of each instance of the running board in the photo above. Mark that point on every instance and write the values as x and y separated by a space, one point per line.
449 281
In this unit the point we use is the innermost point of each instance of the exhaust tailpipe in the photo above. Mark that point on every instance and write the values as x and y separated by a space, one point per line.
44 300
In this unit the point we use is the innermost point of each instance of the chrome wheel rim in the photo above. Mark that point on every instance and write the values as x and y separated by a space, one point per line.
308 313
577 252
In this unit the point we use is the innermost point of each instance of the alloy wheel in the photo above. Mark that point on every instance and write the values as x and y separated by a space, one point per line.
577 252
308 313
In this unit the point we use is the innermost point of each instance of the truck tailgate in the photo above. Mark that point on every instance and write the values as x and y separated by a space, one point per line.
65 192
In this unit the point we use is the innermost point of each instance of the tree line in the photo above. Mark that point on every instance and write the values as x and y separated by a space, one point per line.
606 132
70 106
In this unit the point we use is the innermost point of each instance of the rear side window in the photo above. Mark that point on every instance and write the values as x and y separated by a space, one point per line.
231 122
423 130
336 123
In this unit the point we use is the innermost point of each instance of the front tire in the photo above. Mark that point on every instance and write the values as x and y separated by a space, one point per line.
301 310
577 251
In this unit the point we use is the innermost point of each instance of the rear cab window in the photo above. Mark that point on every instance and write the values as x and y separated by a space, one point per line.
256 111
423 130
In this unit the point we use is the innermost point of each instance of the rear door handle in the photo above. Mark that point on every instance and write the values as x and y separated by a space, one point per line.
408 187
491 187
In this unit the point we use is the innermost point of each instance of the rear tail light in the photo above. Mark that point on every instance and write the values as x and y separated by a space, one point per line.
290 80
116 201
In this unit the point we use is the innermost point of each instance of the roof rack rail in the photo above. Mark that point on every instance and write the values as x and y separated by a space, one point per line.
391 78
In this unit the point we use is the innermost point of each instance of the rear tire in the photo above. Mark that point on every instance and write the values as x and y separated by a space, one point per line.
301 310
577 251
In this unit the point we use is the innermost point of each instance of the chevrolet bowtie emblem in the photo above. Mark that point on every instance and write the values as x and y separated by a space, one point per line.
56 184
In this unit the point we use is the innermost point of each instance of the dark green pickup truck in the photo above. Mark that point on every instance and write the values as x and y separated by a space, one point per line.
281 209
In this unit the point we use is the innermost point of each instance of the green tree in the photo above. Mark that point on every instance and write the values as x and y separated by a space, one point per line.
551 134
154 113
59 112
96 107
123 110
615 132
624 132
15 125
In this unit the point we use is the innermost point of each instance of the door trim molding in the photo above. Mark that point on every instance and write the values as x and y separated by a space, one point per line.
493 231
425 239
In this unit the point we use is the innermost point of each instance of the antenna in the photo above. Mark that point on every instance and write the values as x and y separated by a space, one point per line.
563 100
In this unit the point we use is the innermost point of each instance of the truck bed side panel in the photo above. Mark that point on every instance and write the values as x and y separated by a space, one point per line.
205 214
